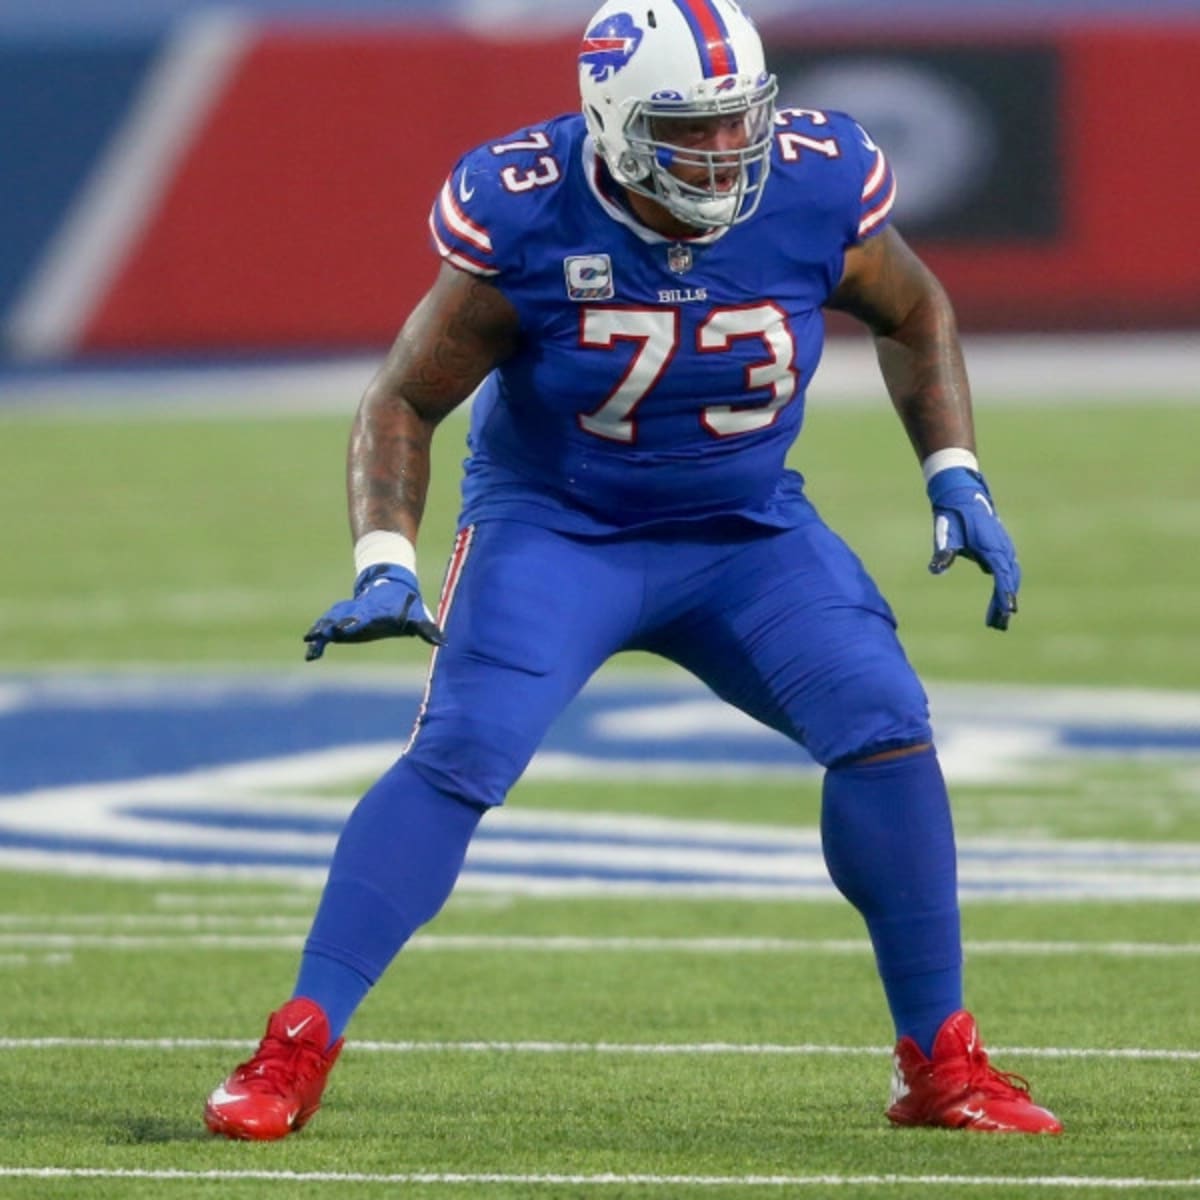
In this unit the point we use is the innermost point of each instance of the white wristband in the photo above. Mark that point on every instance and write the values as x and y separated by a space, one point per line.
381 546
952 456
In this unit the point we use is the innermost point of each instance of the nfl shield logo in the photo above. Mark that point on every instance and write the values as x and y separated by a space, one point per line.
679 259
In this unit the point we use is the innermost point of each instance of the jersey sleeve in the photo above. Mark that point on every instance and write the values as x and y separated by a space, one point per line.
838 178
878 195
487 217
462 223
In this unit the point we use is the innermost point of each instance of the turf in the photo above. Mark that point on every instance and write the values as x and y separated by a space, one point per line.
576 1109
213 542
187 541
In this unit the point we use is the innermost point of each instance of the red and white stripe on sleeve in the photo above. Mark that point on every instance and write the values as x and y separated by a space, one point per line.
878 196
458 238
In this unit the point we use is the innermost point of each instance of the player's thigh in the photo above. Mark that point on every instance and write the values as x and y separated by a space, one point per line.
797 634
528 616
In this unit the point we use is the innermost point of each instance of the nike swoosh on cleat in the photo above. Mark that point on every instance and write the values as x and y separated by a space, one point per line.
293 1030
221 1096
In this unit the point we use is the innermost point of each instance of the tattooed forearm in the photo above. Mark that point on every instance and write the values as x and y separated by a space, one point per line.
922 366
889 289
454 337
387 477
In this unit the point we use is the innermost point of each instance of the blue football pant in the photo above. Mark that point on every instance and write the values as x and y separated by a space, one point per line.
785 625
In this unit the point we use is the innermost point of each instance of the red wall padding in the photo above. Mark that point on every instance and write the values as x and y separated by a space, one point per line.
298 218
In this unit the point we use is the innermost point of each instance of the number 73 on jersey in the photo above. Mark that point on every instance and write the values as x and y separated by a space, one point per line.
655 332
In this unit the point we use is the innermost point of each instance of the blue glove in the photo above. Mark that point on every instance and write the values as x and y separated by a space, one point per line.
965 522
387 603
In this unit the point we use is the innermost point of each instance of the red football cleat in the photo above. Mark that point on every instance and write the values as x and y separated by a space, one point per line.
958 1088
278 1090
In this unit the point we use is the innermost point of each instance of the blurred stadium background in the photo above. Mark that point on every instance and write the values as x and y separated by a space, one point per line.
213 180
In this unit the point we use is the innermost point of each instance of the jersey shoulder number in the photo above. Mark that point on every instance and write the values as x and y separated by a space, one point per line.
494 192
834 145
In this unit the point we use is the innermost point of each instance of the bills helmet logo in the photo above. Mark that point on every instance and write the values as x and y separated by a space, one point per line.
608 46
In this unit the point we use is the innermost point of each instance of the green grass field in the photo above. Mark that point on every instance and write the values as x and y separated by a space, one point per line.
182 541
637 1059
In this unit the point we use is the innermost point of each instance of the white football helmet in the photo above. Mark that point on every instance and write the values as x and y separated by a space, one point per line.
645 64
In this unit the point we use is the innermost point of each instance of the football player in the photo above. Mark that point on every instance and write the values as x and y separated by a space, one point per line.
636 291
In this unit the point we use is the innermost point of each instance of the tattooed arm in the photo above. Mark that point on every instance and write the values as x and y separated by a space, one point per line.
454 337
887 287
891 291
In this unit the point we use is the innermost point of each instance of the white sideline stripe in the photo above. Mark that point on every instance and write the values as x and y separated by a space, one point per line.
91 246
231 903
236 900
35 937
605 1180
33 960
634 1049
1081 369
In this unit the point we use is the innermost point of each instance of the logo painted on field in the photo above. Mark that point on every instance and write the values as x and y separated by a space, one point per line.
152 775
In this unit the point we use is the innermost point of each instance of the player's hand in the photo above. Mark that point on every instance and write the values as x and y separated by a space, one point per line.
965 523
386 603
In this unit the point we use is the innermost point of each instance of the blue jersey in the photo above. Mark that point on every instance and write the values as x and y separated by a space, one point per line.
655 379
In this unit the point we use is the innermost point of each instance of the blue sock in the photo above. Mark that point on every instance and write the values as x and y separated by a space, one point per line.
336 987
395 865
888 840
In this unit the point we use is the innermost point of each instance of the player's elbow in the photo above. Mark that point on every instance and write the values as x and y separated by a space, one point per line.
927 319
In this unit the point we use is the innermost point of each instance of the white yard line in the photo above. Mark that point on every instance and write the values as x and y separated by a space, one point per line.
627 1049
43 932
1071 1182
238 900
11 962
